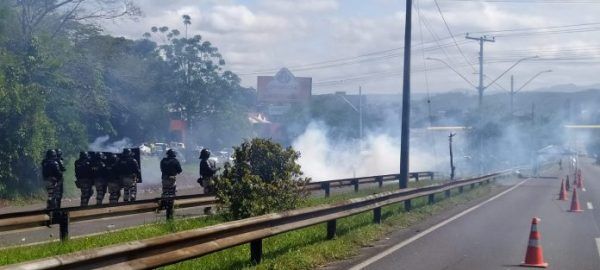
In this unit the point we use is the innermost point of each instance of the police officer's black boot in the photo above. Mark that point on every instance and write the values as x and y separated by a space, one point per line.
49 204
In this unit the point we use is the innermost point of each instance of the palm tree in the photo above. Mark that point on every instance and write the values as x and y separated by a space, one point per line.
187 20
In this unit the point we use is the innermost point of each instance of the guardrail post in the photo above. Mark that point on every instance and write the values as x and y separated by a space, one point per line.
331 228
62 218
447 193
355 182
377 215
256 251
431 199
327 187
473 186
431 174
169 205
379 181
408 205
460 189
416 177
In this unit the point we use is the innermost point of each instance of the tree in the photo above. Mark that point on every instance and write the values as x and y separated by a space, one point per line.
198 91
264 178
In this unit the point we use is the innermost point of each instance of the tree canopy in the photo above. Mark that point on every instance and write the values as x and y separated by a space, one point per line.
63 83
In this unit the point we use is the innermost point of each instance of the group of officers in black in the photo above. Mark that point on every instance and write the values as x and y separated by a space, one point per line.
111 172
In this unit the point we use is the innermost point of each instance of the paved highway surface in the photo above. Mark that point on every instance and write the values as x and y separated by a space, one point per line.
494 234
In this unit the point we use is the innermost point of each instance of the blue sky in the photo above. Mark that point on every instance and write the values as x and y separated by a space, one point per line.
257 37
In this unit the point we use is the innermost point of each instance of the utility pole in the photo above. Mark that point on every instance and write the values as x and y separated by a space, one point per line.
452 168
513 92
480 88
405 132
360 116
512 97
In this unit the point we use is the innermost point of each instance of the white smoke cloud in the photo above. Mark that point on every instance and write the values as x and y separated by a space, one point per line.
323 158
101 144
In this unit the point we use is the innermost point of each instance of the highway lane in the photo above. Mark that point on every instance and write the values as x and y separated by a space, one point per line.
495 235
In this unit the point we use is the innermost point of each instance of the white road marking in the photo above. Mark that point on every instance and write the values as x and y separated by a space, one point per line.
598 245
583 189
431 229
590 206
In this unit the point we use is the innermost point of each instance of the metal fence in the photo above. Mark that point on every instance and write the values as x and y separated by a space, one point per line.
181 246
64 216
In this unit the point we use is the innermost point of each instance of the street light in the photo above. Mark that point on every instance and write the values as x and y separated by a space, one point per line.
493 81
512 88
359 111
480 90
455 71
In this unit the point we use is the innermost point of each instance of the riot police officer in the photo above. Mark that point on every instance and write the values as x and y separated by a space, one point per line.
208 169
112 178
129 172
59 186
98 176
170 168
83 177
52 174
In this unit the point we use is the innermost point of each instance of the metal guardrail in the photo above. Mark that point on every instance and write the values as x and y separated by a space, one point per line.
177 247
64 216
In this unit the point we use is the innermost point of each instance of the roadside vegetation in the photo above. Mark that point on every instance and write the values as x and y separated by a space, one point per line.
302 249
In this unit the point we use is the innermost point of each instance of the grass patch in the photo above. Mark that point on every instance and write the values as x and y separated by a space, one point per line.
302 249
308 248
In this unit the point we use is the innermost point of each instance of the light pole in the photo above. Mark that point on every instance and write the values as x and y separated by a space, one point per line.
359 110
451 68
480 90
513 92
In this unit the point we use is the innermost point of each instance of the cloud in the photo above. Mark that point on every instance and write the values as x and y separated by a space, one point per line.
238 18
269 34
287 6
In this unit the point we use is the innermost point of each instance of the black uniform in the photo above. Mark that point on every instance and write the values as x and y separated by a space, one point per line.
52 176
112 178
128 170
83 175
60 184
99 176
208 170
170 168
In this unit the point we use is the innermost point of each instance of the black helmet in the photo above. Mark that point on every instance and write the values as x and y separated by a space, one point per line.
58 152
171 153
111 157
204 154
100 155
51 153
83 155
126 152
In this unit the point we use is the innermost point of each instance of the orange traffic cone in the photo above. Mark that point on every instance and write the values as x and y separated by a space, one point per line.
568 185
575 203
535 255
563 192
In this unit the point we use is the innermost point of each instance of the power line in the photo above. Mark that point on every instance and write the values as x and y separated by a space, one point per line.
431 45
452 35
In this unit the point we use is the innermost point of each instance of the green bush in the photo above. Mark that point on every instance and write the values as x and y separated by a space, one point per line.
264 178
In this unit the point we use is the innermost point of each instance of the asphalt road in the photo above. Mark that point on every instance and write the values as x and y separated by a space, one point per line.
495 234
